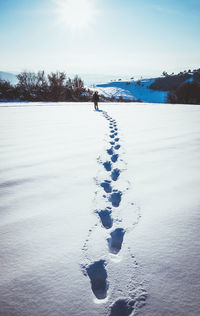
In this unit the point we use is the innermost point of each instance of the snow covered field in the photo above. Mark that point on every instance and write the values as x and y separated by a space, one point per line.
100 211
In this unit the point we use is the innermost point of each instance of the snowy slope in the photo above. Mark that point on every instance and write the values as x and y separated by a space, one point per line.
99 210
132 90
8 77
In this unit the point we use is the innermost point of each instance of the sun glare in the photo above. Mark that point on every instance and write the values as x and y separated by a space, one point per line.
75 14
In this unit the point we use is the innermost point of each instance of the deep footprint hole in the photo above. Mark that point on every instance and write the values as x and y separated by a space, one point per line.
115 198
98 278
114 157
117 147
106 186
107 165
110 151
122 307
106 219
115 174
115 240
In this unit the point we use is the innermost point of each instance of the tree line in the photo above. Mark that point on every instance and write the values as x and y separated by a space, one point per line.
183 88
185 93
54 87
57 87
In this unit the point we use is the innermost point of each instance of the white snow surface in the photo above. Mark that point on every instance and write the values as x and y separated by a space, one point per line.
132 90
56 255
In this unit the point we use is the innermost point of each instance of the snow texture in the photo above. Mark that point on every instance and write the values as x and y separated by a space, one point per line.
83 235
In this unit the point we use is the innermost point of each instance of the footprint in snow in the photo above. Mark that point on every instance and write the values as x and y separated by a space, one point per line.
117 147
107 165
122 307
110 151
115 174
98 278
116 240
115 198
106 186
114 157
116 139
105 216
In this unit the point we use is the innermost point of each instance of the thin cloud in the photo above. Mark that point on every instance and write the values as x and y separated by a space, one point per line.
166 10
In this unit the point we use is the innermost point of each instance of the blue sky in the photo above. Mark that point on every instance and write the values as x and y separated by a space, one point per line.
100 36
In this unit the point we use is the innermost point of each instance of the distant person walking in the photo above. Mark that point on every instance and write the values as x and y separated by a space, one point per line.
95 99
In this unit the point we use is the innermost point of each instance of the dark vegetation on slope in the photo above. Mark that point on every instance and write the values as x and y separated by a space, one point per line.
54 87
171 82
184 88
186 93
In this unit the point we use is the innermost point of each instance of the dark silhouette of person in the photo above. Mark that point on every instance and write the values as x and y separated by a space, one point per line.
95 99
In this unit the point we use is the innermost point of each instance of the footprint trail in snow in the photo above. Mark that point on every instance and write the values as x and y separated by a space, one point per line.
114 220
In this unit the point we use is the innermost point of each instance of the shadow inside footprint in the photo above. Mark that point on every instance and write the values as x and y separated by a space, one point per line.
112 136
122 307
114 157
116 139
98 277
115 198
116 240
107 165
105 216
117 147
110 151
115 174
106 185
112 143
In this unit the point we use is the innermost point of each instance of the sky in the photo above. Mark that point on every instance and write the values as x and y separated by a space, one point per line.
125 37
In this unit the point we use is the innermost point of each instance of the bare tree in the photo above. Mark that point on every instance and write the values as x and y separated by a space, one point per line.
57 86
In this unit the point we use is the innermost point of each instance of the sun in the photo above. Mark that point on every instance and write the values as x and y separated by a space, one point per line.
75 14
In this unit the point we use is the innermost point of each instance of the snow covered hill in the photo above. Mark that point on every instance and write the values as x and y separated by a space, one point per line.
133 90
99 210
8 77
